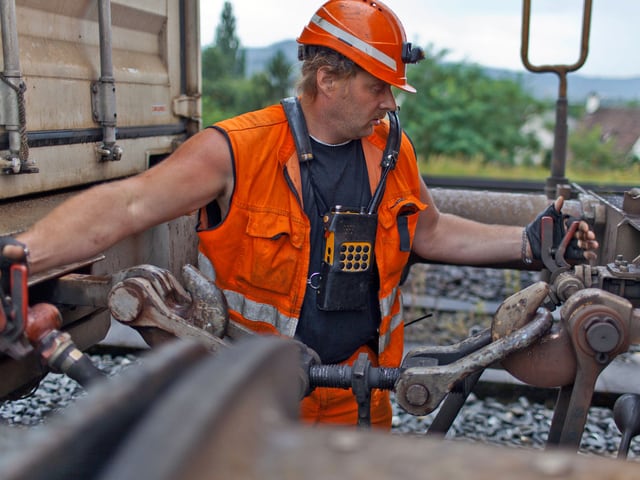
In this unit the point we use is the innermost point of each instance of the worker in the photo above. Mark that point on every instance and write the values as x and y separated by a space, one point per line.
273 186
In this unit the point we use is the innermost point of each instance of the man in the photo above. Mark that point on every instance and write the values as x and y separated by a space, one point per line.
263 205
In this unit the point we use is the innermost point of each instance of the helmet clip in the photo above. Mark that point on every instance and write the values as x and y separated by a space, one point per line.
411 54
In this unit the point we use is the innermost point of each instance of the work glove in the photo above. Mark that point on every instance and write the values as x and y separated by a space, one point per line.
561 223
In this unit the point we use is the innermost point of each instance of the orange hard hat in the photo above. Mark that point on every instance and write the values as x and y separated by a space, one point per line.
366 32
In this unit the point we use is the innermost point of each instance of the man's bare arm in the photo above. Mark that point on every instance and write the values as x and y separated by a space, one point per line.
450 238
197 173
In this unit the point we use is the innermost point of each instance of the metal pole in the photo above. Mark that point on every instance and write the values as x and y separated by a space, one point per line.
105 89
558 162
192 63
12 77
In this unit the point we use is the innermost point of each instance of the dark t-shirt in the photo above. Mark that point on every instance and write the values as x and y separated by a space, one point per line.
337 175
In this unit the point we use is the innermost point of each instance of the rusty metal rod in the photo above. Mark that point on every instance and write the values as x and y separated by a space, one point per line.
341 376
558 162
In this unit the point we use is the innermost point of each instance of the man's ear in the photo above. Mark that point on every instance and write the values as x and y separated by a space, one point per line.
326 80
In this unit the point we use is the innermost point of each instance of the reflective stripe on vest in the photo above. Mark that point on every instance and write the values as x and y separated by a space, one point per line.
261 312
386 304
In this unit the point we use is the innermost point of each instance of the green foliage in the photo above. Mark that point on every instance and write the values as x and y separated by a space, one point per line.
223 97
460 111
222 67
590 151
279 76
226 91
273 84
227 44
440 166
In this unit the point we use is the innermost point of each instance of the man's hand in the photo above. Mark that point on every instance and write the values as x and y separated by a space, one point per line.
582 245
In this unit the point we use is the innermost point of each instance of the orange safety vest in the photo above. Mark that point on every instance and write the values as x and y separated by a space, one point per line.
260 252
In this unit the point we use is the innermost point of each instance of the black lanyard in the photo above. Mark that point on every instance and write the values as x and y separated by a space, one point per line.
300 133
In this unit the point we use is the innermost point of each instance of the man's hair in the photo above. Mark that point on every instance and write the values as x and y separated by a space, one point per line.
315 57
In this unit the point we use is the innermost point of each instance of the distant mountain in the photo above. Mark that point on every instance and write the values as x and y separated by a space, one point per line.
540 85
258 58
579 87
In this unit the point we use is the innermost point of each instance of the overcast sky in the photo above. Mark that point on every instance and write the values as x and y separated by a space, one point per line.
482 31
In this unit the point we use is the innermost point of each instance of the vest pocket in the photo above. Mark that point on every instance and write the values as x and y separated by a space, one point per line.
406 208
398 222
273 248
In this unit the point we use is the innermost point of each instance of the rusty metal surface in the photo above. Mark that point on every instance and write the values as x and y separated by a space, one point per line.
518 310
254 389
549 362
376 456
79 290
631 202
443 354
594 305
597 317
619 234
18 376
598 323
440 355
42 318
295 452
591 319
209 310
60 272
490 207
77 443
150 297
419 390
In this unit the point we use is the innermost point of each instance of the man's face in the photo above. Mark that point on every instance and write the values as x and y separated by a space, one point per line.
360 103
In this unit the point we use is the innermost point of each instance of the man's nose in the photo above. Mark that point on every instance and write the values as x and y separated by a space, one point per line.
389 101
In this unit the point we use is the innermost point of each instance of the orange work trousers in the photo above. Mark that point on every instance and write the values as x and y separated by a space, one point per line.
338 406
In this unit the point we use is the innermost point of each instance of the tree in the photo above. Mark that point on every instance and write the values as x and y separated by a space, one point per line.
230 53
222 69
460 111
591 151
279 76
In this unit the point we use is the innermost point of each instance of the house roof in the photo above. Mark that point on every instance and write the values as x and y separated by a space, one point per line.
620 124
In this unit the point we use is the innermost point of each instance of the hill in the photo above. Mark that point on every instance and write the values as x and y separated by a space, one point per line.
579 87
540 85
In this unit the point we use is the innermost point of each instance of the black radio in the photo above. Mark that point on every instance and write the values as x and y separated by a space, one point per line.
348 260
